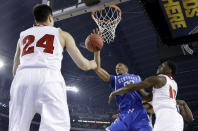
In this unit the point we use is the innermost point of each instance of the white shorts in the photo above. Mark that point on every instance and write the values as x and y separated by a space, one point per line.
168 120
38 91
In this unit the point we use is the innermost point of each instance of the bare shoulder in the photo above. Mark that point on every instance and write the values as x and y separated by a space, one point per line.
162 78
158 81
64 38
64 33
161 81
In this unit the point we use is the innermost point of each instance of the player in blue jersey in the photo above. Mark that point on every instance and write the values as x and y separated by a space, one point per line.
132 115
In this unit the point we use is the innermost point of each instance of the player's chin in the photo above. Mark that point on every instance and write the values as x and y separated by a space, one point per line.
119 73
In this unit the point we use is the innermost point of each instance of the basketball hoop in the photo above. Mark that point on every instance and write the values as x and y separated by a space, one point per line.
107 20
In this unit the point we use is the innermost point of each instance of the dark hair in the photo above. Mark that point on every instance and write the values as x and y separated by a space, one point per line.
123 64
172 66
41 12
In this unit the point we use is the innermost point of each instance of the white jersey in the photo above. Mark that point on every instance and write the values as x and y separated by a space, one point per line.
164 106
40 48
38 86
165 97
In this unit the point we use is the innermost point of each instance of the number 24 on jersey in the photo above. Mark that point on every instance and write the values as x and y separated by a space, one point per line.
47 39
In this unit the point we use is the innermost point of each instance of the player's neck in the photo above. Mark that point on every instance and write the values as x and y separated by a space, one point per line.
125 73
168 74
43 24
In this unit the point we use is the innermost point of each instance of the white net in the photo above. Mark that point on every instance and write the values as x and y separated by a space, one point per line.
107 20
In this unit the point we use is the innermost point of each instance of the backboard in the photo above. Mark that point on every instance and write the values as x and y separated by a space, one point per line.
65 9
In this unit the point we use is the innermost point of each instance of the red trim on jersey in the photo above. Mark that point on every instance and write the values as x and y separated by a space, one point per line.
170 77
171 91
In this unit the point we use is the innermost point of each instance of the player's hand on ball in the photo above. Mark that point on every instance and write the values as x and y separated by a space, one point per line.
97 31
111 97
94 41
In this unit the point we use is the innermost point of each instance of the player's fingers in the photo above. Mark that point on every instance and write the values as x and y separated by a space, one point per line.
97 30
94 31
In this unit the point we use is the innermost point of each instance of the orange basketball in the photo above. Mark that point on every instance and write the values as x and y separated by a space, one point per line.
94 42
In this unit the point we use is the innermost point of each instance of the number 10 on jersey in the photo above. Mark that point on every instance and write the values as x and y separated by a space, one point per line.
172 92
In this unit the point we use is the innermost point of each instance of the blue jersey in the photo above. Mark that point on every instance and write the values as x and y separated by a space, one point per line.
128 101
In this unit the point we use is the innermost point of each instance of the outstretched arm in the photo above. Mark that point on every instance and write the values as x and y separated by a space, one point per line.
146 96
104 75
185 111
155 81
70 45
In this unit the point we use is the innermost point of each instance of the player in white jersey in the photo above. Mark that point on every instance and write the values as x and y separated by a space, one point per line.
164 97
182 108
38 85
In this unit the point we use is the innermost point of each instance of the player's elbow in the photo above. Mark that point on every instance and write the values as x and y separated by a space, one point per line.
88 65
83 64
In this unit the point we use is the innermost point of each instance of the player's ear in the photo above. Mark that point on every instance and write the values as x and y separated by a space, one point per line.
126 69
49 18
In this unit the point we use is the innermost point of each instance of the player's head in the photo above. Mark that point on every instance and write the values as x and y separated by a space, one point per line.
168 68
121 69
43 14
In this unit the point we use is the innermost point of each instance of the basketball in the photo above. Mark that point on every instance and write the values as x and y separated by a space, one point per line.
94 42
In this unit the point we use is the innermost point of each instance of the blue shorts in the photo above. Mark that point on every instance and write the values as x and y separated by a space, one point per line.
132 121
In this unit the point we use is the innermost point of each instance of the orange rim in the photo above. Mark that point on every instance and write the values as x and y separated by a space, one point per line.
116 7
101 9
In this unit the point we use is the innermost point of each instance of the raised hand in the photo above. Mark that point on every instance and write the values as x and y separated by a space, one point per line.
97 31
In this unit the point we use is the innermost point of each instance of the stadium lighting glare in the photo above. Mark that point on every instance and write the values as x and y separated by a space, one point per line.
72 88
1 63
